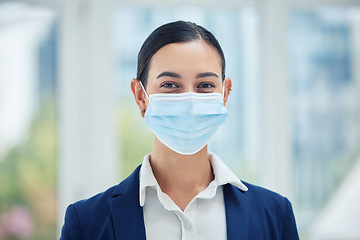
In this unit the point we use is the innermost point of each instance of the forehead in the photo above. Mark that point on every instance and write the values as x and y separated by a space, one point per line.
196 52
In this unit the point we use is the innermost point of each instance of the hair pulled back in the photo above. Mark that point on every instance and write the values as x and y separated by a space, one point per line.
173 32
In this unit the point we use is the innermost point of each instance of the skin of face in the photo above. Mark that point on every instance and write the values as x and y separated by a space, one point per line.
183 67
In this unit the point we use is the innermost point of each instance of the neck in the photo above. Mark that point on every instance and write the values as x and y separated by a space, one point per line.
181 177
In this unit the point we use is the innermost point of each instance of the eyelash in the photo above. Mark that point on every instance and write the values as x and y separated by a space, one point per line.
166 85
209 85
174 85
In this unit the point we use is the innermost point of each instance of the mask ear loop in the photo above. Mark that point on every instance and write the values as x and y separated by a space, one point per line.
223 91
142 112
142 86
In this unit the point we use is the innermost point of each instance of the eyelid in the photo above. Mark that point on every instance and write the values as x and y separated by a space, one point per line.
169 82
209 83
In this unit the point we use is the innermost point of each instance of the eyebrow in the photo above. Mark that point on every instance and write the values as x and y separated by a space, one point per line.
207 74
168 74
175 75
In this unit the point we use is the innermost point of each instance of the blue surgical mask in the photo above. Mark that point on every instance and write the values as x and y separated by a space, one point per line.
185 122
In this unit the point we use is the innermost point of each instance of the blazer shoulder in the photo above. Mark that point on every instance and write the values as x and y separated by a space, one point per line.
83 217
94 203
266 195
101 200
91 217
272 210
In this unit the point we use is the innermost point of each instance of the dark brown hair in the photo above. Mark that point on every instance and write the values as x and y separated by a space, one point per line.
173 32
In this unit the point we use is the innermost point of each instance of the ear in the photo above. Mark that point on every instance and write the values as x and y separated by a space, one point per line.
139 95
227 89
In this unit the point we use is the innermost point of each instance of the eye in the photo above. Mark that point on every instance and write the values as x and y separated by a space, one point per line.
205 85
169 85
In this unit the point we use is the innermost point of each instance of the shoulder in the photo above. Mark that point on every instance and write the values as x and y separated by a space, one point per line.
83 218
100 202
94 213
259 200
265 202
258 196
270 214
265 197
95 205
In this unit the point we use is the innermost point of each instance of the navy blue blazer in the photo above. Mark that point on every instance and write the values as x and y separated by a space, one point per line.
257 214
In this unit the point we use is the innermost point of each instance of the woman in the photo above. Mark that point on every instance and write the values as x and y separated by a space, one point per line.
181 191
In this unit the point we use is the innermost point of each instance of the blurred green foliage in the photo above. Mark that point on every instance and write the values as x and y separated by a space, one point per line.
28 170
135 138
28 173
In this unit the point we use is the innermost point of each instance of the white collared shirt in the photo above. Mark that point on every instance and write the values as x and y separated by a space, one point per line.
203 218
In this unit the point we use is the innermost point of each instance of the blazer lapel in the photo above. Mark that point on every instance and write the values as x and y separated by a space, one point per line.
128 216
126 211
237 213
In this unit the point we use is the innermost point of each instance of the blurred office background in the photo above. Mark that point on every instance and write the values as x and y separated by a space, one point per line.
69 127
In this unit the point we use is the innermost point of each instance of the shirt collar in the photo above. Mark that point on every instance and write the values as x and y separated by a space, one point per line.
147 178
223 175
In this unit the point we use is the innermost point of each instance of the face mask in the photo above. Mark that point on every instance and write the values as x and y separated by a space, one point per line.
185 122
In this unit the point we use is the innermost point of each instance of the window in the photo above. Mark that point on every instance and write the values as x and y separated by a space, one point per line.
27 122
324 55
